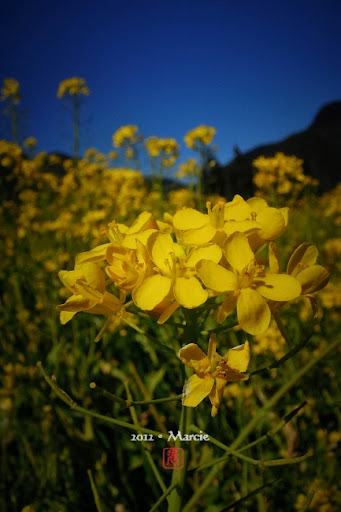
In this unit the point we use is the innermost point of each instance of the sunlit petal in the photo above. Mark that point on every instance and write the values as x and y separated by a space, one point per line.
162 246
238 251
151 292
192 355
238 358
189 293
188 218
237 209
216 277
205 252
197 236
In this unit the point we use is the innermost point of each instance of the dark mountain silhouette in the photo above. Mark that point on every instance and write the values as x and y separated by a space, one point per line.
319 146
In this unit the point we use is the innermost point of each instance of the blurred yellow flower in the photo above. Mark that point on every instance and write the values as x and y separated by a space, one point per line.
30 142
11 90
200 136
74 86
125 135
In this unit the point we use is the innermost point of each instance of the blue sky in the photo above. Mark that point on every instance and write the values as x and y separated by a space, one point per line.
256 71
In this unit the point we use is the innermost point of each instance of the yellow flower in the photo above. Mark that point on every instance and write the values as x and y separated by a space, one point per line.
212 372
176 278
248 286
87 284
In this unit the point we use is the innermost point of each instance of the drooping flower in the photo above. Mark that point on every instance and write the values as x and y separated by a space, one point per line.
87 285
302 266
212 372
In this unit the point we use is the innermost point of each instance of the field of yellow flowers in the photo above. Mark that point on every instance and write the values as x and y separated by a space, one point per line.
163 350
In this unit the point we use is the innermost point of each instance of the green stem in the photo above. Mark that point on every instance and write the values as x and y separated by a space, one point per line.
256 420
128 403
72 404
163 497
179 475
261 463
95 492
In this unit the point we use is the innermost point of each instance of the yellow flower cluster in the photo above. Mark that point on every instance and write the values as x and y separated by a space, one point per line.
125 135
74 86
195 256
11 90
200 136
281 175
167 149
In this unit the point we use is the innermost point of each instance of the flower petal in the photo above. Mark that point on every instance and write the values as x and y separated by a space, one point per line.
237 209
196 389
238 358
253 312
274 260
279 287
304 256
210 252
189 293
144 221
65 316
161 247
244 226
151 292
193 357
227 307
273 224
75 303
197 236
216 277
188 218
257 204
238 251
216 395
313 278
96 254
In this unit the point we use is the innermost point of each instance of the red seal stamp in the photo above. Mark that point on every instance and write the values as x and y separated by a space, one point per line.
173 458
